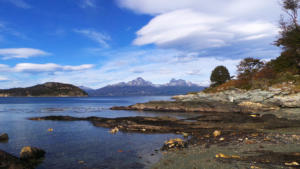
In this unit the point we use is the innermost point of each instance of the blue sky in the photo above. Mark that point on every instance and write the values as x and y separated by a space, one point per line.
99 42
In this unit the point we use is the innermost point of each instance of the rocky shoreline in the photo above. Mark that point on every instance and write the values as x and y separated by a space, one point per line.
237 115
229 118
234 100
207 130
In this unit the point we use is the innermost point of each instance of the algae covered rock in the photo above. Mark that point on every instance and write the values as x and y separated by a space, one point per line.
8 161
4 137
28 153
176 143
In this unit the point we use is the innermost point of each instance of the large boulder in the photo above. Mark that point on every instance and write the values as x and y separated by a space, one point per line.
3 137
28 153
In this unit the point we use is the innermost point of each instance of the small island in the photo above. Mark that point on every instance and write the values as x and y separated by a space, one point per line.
49 89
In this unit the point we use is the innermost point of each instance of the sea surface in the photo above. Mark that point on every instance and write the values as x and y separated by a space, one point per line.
79 144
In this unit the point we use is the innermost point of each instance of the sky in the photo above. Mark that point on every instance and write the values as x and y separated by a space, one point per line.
94 43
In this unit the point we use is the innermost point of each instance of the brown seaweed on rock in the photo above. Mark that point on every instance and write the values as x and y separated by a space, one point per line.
8 161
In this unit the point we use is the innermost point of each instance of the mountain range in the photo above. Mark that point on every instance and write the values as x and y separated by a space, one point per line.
141 87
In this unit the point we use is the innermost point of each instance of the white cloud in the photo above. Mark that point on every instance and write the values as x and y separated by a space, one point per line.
218 7
87 4
98 37
191 30
48 67
40 68
20 3
2 78
10 53
198 24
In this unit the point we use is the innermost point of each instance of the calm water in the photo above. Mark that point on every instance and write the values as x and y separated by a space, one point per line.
72 142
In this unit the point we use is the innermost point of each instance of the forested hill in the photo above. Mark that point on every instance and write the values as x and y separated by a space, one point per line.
50 89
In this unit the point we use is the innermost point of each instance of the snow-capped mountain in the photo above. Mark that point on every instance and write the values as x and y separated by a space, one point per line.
141 87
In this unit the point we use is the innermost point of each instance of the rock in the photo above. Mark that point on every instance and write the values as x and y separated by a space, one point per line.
185 106
81 162
216 133
185 134
174 143
292 164
3 137
114 130
221 155
8 161
256 106
257 99
28 153
267 117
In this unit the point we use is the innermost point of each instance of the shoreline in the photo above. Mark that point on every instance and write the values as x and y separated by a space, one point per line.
242 129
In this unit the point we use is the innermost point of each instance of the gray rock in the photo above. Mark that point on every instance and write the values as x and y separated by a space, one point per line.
273 97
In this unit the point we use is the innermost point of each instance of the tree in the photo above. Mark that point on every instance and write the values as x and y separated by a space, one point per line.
219 76
289 37
248 67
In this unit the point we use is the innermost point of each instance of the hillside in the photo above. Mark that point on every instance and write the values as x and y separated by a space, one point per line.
50 89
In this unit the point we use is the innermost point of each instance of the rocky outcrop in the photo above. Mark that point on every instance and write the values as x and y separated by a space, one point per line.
8 161
274 97
185 106
29 153
50 89
3 137
194 105
30 158
208 120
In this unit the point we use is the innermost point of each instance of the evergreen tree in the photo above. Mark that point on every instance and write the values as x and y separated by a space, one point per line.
219 76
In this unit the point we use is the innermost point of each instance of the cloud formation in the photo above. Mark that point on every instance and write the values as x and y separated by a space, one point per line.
20 3
101 38
199 24
11 53
48 67
40 68
88 4
3 79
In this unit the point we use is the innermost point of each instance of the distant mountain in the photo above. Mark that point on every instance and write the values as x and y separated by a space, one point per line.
137 82
88 90
49 89
141 87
